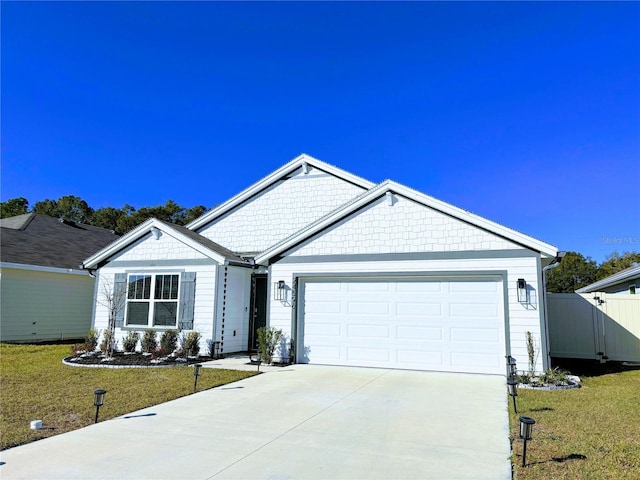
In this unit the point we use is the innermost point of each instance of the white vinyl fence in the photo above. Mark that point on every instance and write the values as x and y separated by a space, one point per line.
605 328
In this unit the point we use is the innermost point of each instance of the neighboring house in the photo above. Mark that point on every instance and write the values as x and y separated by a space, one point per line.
599 321
353 273
621 283
44 292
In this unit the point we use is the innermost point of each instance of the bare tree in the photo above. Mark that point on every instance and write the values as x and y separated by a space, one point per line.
113 299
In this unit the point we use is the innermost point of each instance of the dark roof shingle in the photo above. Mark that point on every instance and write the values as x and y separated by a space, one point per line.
34 239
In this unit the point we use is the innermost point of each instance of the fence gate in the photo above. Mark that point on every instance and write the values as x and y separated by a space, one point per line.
594 325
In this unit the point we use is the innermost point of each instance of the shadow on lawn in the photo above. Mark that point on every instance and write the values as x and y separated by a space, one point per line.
592 368
566 458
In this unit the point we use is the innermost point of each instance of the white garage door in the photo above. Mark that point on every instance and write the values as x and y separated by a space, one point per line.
451 325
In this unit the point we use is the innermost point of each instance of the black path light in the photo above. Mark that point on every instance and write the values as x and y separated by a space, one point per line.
98 401
197 368
511 366
512 387
526 429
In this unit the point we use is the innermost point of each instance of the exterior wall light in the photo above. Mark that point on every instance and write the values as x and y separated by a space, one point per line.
155 232
279 290
526 429
98 401
197 370
512 388
523 295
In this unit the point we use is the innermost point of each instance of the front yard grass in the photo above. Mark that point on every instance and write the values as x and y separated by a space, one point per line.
588 433
35 385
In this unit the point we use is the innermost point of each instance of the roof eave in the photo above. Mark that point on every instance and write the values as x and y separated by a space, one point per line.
545 250
272 178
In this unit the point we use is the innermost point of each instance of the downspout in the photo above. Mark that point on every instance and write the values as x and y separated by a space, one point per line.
554 264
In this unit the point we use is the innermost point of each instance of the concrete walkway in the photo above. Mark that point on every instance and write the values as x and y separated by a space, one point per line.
298 422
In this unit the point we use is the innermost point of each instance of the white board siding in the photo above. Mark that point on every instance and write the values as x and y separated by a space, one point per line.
420 323
404 227
204 307
280 211
234 290
522 318
38 306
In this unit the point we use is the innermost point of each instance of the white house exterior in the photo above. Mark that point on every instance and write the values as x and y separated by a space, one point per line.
353 273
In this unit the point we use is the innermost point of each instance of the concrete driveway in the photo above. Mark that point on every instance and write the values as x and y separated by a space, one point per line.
299 422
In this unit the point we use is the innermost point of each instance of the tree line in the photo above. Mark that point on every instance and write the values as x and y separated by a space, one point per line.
575 270
120 220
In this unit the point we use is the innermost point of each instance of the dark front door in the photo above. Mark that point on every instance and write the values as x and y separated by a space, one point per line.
258 308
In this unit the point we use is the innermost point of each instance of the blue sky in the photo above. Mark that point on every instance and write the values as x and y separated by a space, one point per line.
525 113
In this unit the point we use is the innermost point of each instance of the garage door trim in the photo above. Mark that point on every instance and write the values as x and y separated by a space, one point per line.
496 275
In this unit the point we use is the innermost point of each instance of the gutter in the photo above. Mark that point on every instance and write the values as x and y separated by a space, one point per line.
554 264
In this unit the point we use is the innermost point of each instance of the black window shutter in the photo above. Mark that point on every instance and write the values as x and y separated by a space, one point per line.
187 299
120 293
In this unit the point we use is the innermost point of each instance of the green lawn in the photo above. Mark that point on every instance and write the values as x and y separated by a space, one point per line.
35 385
587 433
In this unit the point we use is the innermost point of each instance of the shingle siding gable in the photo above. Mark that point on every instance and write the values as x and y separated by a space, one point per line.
404 227
280 210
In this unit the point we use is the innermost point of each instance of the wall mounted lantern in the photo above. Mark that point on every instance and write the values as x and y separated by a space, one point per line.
512 388
197 370
526 430
98 401
523 294
279 290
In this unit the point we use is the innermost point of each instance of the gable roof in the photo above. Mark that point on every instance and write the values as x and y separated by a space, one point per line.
369 196
192 239
627 274
34 239
287 169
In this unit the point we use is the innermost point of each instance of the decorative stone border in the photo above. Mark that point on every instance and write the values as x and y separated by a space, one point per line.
106 365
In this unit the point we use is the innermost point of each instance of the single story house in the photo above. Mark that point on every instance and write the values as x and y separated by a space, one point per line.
621 283
44 293
354 273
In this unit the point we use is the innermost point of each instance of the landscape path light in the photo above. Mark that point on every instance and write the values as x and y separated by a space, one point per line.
526 430
511 366
197 368
512 387
98 401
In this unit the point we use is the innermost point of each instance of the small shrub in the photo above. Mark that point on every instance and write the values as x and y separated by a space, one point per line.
91 341
130 342
149 341
77 349
532 352
191 343
268 339
168 341
106 341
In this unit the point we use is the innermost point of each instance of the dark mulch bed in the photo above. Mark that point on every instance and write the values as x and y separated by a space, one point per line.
134 359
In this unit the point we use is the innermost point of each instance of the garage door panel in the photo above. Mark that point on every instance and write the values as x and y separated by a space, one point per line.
413 358
323 329
473 310
369 308
367 287
475 335
417 334
420 309
394 323
323 307
368 332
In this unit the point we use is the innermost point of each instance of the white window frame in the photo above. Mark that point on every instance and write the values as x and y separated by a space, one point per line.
152 300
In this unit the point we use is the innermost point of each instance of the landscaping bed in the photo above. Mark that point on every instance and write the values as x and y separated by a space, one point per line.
136 359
